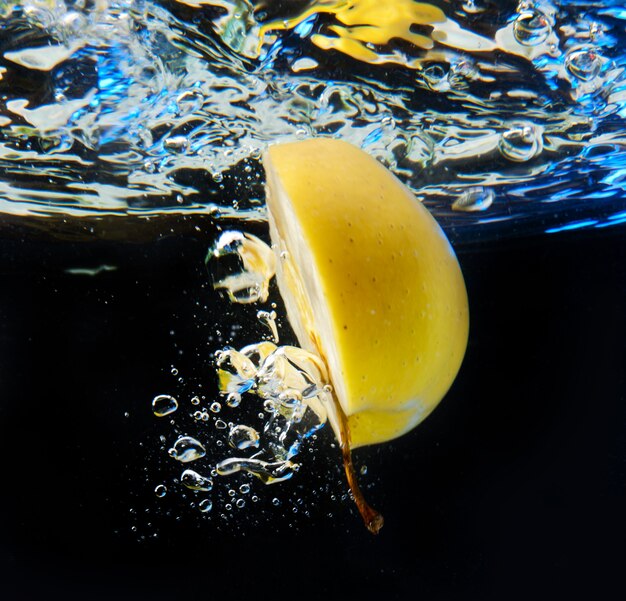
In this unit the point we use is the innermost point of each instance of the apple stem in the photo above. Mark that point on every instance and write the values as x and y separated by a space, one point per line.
373 519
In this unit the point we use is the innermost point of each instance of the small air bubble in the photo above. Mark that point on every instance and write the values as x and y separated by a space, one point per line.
205 505
233 399
164 404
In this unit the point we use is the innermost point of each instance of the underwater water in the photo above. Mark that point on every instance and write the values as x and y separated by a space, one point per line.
131 135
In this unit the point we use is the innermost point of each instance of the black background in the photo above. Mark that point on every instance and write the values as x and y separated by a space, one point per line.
513 488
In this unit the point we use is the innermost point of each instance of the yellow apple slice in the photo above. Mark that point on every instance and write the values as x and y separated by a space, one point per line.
370 283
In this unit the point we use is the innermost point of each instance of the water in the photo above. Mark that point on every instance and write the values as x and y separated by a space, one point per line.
159 108
140 146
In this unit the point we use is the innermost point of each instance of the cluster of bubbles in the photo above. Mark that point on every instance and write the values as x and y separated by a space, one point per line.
281 391
287 384
291 383
146 107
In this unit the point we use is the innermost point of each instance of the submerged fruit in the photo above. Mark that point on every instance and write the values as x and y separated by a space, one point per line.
370 283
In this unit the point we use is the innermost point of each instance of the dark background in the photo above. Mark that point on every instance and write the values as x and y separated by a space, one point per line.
513 488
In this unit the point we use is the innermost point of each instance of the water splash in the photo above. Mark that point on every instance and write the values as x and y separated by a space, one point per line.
140 108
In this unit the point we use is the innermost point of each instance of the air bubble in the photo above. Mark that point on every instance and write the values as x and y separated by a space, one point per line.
160 491
163 405
215 407
220 424
531 28
242 265
233 399
244 489
205 505
243 437
195 400
469 6
240 503
268 319
187 449
477 198
584 64
267 472
521 143
176 143
194 481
